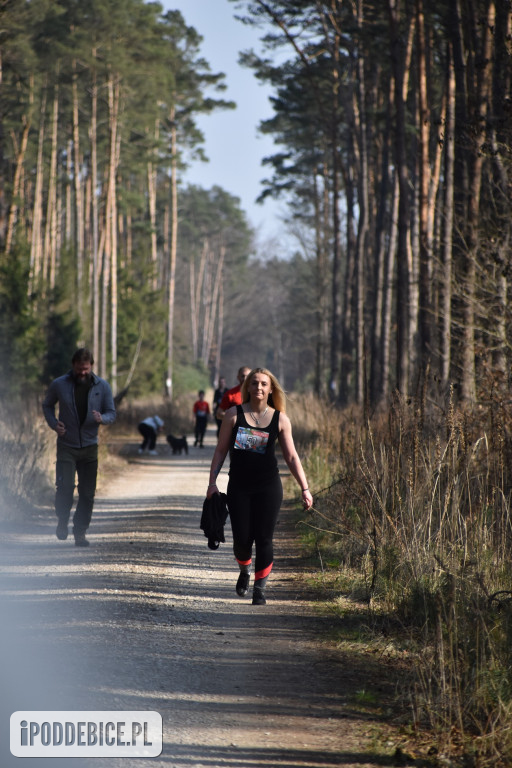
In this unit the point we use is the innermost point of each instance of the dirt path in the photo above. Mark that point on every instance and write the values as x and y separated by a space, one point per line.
147 618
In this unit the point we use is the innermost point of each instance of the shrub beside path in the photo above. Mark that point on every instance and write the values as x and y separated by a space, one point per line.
147 618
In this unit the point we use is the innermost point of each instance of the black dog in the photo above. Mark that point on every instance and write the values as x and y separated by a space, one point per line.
178 444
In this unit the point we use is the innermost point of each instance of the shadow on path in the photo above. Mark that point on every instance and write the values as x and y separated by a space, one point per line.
147 619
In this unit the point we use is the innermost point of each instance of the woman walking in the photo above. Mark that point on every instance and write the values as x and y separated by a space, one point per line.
254 494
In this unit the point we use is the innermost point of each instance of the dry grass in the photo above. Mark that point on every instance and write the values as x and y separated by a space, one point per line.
416 502
26 459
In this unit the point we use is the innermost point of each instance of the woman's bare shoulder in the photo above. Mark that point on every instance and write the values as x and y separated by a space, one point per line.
284 421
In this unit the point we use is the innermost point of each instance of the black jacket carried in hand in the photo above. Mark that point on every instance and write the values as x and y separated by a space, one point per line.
213 519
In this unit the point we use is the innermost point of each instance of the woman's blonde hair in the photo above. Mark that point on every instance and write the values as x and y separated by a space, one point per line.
277 398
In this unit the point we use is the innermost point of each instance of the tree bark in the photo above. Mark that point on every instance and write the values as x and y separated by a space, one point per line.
49 255
95 292
363 222
403 245
483 83
447 223
425 252
36 250
18 172
173 253
113 103
79 211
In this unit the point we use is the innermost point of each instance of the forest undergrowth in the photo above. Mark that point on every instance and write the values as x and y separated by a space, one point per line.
412 521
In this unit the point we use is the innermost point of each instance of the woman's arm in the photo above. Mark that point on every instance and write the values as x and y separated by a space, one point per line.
220 453
291 457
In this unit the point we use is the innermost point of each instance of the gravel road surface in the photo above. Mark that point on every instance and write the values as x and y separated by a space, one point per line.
147 618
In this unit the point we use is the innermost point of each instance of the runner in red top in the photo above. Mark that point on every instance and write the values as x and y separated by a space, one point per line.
201 412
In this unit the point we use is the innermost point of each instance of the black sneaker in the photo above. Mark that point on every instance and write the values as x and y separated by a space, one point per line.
62 531
242 585
81 541
258 596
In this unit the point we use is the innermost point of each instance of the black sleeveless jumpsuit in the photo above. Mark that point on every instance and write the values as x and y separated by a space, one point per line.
254 492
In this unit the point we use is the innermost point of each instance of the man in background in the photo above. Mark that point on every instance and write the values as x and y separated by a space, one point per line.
85 401
233 396
217 398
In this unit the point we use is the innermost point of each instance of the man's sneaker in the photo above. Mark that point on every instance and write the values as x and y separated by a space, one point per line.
62 531
81 541
153 453
258 596
140 451
242 585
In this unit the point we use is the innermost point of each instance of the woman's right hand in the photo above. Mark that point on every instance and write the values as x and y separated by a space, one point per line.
212 488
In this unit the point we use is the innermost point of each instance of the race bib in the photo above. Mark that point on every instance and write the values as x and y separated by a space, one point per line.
248 439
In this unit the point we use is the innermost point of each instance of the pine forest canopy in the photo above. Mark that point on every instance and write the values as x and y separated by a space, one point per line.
393 126
395 122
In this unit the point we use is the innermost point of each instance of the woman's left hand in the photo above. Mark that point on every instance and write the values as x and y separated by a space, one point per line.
307 499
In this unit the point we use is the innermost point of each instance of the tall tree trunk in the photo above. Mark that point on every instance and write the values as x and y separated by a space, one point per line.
500 133
391 257
479 119
220 332
79 212
171 289
49 251
193 308
447 223
36 250
46 235
166 244
152 179
425 254
105 283
113 102
382 229
403 247
364 204
217 280
207 287
336 233
18 171
387 307
95 288
347 336
68 226
196 286
321 207
3 204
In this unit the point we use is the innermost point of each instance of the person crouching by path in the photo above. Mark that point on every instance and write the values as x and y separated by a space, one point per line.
255 492
85 401
201 412
149 429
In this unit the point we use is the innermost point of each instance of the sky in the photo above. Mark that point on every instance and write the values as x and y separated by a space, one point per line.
232 143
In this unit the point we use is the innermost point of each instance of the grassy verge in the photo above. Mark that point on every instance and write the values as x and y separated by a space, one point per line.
412 524
26 459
